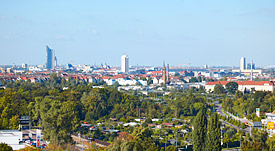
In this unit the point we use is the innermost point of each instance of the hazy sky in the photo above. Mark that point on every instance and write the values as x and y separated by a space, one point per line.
213 32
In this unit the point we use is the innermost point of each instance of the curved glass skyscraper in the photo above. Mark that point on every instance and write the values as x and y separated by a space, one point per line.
50 58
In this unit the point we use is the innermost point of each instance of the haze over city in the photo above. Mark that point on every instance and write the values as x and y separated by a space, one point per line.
95 32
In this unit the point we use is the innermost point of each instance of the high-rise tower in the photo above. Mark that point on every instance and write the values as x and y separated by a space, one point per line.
242 64
50 58
124 63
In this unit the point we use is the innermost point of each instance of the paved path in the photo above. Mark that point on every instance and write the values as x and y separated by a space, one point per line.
221 112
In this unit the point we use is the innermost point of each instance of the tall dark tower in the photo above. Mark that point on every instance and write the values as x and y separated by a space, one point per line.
167 74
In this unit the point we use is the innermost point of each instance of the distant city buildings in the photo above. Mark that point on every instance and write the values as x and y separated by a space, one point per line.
51 59
246 70
125 64
249 66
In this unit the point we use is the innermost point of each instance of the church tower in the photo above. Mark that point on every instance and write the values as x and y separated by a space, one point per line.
164 73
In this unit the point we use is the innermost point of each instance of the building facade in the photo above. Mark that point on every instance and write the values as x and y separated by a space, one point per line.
245 86
50 58
125 64
242 64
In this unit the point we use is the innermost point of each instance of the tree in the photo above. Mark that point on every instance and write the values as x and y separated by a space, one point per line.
226 140
149 81
238 94
5 147
59 120
231 87
214 133
200 131
271 143
219 89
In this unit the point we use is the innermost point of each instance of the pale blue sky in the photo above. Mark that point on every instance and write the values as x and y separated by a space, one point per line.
199 32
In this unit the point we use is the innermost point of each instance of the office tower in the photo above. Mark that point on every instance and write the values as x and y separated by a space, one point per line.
124 63
249 66
242 63
24 65
50 58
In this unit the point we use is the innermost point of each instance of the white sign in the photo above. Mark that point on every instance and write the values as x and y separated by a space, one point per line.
38 137
258 112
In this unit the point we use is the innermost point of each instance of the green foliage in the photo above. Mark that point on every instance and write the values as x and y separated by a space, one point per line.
200 131
219 89
226 140
60 111
214 134
59 119
5 147
231 87
271 143
257 141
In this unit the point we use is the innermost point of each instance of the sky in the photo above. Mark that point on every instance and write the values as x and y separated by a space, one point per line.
199 32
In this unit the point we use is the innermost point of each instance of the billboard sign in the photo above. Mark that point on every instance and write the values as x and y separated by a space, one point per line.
270 125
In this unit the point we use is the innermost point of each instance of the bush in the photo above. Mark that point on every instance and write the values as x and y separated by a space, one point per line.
243 126
5 147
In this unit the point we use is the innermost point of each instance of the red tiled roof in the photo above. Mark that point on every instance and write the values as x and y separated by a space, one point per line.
168 124
156 72
105 77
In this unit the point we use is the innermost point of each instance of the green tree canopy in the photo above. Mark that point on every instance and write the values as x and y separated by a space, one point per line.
219 89
5 147
200 131
214 133
231 87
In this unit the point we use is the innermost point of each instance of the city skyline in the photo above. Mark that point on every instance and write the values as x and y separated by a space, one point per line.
213 33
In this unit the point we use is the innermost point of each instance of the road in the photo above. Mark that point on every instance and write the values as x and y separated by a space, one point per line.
220 111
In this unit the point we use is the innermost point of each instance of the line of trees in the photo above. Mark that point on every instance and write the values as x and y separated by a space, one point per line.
206 134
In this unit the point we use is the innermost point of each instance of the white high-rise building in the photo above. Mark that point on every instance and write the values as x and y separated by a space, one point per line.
242 64
124 64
